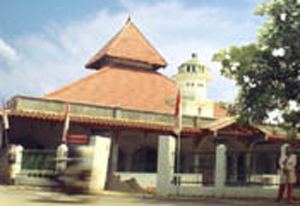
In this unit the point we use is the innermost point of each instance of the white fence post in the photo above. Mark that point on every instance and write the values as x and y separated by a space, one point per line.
101 152
165 167
220 169
61 156
15 154
19 158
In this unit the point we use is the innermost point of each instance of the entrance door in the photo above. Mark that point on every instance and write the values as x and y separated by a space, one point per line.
236 168
241 168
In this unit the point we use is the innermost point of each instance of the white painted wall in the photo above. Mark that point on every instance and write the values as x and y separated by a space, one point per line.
230 192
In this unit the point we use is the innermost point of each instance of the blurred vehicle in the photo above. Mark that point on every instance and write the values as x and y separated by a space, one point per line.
75 179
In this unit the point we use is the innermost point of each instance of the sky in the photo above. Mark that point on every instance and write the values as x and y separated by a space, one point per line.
44 45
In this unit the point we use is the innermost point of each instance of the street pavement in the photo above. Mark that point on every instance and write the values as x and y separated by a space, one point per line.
22 196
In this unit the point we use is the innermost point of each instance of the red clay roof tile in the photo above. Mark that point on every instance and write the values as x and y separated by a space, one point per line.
219 111
129 44
121 87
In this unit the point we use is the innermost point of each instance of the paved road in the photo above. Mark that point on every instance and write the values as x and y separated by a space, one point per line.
21 197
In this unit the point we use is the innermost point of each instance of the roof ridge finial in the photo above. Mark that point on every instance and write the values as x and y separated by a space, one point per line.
128 19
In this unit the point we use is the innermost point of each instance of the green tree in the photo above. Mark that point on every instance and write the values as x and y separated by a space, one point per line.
268 70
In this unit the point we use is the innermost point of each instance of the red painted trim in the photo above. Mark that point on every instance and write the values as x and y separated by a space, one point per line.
77 139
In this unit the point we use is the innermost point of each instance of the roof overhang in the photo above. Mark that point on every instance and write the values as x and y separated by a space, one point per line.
54 110
219 127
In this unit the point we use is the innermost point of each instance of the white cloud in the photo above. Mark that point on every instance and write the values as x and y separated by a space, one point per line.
7 53
56 56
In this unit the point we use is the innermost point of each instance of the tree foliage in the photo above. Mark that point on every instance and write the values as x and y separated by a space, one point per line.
268 70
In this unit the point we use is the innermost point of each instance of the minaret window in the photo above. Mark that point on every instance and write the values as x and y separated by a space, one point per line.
188 68
193 68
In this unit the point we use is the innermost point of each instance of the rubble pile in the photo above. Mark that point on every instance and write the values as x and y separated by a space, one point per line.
114 183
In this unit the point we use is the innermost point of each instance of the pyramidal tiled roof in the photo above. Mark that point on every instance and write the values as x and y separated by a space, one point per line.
130 45
115 86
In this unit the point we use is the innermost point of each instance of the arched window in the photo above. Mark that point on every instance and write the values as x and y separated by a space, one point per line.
188 68
144 160
193 68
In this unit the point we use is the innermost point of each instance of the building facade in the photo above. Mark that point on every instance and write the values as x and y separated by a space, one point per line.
127 100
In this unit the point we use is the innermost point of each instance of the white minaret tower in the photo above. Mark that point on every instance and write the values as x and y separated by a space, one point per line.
192 78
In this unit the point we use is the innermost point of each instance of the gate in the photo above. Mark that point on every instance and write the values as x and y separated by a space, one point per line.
37 168
38 160
237 171
201 169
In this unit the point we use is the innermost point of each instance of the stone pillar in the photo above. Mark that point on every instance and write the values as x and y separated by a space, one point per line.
196 163
128 161
166 162
274 162
101 152
254 160
234 167
220 172
248 166
114 155
61 158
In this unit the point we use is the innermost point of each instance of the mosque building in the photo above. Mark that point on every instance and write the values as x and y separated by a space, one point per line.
128 100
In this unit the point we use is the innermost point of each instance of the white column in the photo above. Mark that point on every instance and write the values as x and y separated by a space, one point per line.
165 167
61 158
99 163
220 169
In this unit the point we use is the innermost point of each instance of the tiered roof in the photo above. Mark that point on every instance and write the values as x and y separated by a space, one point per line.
130 46
126 76
121 87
